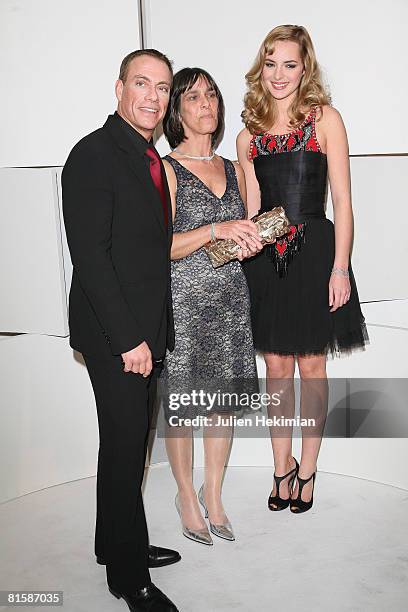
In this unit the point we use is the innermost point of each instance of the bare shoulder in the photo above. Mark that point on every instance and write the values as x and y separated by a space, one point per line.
238 169
168 168
167 164
329 116
244 137
170 174
244 146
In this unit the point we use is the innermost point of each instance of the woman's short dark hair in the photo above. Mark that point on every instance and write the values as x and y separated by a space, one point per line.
183 81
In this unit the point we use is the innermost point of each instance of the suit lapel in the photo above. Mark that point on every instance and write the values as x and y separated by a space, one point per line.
169 207
139 167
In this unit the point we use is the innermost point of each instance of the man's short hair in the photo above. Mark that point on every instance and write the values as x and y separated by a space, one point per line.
124 67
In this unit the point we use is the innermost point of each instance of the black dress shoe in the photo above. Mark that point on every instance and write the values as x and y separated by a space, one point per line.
148 599
158 557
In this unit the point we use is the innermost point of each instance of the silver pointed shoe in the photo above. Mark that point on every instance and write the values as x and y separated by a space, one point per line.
223 531
202 536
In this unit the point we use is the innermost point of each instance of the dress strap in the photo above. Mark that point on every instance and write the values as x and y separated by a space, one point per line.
230 174
313 121
179 169
252 148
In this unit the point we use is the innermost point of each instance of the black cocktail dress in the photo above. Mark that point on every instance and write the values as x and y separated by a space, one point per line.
289 280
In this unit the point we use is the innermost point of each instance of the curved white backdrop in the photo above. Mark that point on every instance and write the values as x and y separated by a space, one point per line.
60 61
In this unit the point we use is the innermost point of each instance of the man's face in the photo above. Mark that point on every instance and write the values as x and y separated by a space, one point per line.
144 96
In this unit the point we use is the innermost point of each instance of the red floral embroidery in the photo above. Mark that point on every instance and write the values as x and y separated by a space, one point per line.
271 145
312 145
284 249
292 232
301 139
281 246
291 142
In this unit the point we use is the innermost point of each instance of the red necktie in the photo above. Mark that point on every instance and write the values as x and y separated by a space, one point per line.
156 174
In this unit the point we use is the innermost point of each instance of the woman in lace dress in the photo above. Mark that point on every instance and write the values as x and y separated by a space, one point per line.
213 338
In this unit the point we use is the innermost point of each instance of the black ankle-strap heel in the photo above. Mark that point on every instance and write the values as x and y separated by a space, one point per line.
280 503
297 506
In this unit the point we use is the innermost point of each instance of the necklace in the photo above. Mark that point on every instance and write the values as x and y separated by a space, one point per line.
197 157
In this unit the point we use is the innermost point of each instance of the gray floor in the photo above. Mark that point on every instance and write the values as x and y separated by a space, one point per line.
348 553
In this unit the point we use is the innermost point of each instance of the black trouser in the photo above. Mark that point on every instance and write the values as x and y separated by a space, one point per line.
124 401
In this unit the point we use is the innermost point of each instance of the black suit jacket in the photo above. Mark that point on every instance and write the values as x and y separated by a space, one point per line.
119 244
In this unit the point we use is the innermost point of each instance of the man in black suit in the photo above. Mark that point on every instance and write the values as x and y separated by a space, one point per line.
117 217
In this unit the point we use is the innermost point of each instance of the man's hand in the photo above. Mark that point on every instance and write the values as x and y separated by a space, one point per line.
138 360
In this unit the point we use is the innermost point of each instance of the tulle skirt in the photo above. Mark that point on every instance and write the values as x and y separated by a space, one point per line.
290 315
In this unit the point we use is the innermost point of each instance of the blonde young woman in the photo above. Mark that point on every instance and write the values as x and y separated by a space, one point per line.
304 300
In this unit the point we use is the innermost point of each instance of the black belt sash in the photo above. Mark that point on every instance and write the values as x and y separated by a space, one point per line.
296 180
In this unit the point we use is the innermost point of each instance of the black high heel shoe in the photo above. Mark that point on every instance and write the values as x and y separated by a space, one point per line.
280 503
297 506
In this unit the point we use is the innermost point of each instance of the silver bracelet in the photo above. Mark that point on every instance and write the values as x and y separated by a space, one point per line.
212 233
340 271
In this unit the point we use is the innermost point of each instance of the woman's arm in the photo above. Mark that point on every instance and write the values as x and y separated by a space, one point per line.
243 192
253 201
241 182
185 243
339 178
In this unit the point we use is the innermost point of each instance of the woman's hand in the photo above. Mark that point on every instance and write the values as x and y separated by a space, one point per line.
243 232
339 291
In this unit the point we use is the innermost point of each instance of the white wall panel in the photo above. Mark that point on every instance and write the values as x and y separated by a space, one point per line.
384 357
380 248
380 252
360 47
48 426
392 314
59 61
33 284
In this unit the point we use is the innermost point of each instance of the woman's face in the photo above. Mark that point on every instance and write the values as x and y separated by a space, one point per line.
283 69
199 108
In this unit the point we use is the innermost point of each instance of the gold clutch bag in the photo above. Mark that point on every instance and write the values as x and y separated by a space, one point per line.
271 225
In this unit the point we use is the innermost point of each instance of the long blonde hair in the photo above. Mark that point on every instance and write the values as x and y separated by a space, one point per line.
260 112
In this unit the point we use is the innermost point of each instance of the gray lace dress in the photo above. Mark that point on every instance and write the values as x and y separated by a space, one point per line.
213 337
